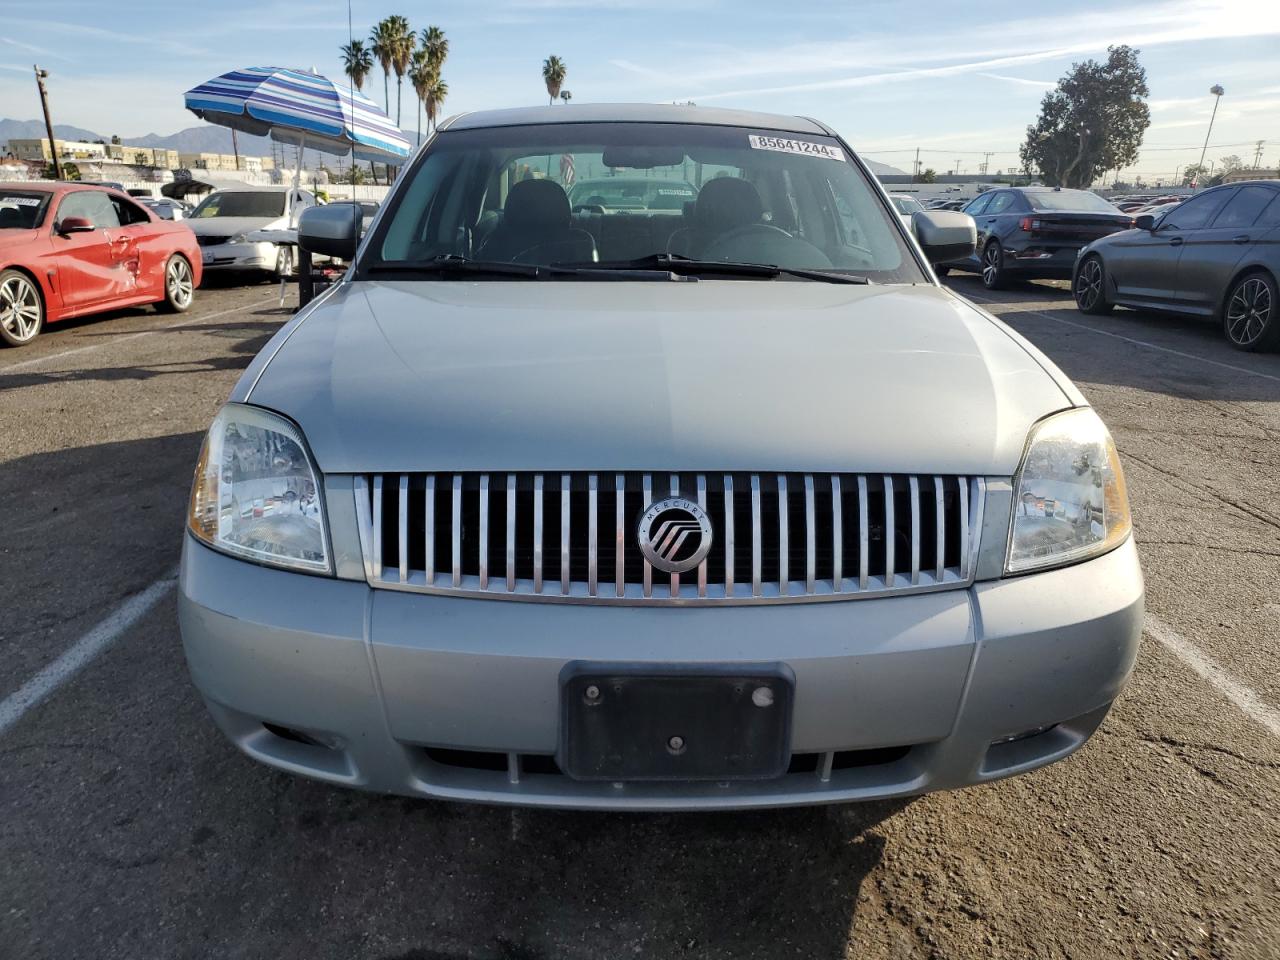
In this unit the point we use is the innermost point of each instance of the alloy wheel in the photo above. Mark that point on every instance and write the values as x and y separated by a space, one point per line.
178 283
1249 312
19 308
1089 284
990 264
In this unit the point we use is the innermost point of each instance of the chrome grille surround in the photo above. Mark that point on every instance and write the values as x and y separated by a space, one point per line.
544 537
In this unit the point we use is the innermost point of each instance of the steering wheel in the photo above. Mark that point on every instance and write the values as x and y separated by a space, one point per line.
588 208
763 230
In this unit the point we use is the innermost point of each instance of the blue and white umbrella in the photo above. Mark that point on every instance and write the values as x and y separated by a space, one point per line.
305 109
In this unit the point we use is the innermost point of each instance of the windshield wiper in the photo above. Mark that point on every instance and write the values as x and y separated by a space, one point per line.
451 264
677 263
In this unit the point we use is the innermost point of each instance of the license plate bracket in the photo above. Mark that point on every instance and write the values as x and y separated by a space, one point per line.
618 721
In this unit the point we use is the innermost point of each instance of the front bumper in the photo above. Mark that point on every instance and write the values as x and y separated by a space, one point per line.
457 698
239 256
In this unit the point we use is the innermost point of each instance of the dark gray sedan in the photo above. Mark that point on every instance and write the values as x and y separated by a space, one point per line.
1216 255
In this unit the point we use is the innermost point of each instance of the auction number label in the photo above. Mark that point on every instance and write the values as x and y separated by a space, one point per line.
21 201
805 148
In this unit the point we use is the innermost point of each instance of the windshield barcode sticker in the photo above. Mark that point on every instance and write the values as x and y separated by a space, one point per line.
21 201
805 148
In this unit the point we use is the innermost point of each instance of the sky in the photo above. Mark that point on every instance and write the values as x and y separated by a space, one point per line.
890 76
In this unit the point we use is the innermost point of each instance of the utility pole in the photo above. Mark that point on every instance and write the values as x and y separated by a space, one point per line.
235 147
915 171
957 167
1257 154
986 162
48 122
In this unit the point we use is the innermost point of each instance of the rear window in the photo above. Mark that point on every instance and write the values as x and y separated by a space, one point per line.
906 205
1070 201
22 209
260 204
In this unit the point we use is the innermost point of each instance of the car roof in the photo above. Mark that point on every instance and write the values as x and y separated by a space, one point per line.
632 113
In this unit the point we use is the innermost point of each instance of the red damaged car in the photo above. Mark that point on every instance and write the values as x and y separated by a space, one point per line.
68 249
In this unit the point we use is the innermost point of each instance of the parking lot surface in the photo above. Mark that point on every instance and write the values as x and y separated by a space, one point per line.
130 828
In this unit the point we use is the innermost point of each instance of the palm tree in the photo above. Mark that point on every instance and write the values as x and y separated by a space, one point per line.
565 96
434 96
357 61
383 46
402 55
553 73
421 73
436 45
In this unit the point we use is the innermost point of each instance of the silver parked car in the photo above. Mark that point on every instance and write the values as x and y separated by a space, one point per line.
226 221
728 508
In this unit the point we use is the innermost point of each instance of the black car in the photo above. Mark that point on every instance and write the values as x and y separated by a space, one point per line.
1027 233
1215 255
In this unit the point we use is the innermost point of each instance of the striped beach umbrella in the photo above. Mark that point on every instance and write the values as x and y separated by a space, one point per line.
297 107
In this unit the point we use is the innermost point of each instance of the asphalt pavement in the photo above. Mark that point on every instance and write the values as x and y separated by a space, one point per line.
129 828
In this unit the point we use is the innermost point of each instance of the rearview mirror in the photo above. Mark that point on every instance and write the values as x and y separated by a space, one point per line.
332 230
642 157
69 225
1145 222
945 234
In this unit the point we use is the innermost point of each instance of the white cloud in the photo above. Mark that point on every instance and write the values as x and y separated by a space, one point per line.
1022 81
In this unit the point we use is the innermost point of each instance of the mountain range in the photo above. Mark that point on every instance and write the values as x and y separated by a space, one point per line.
207 138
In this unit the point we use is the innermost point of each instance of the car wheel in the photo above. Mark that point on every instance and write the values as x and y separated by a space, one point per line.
179 285
284 262
21 308
1089 288
1249 319
994 275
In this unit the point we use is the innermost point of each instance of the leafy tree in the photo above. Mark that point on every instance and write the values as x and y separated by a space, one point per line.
401 55
553 74
382 44
928 175
1195 172
1092 121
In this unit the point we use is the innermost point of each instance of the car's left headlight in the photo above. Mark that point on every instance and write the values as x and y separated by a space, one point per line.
256 492
239 238
1069 501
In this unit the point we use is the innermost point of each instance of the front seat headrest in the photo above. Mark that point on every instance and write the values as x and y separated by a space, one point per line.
537 204
727 203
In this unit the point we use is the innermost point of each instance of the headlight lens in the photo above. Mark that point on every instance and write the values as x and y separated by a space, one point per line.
256 493
1070 501
239 238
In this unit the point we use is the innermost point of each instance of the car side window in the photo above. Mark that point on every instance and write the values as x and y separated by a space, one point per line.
1243 209
1196 212
1270 217
1000 203
129 213
92 205
977 205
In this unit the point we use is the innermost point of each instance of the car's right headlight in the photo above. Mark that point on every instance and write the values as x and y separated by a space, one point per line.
1070 502
256 493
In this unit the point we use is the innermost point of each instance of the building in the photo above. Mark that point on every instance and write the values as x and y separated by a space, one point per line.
38 150
1236 176
223 162
140 156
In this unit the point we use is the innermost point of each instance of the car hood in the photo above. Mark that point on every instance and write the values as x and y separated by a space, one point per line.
16 237
230 226
714 375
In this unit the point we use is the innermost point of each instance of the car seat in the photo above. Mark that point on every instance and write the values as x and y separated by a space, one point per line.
537 227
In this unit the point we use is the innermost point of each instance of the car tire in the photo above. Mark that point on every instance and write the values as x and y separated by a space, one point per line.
1089 287
179 285
284 263
1251 313
21 308
994 274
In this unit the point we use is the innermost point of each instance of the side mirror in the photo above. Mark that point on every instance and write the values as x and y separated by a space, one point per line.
70 225
945 234
332 230
1145 222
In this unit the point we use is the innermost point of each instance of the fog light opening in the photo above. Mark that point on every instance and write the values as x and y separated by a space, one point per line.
297 736
1024 735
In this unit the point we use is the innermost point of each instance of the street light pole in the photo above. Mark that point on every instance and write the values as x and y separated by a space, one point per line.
1217 92
48 123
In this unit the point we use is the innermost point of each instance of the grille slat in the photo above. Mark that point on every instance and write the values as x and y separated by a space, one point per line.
841 536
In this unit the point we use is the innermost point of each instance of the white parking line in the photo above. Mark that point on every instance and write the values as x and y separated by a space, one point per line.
1116 336
1208 669
189 321
82 652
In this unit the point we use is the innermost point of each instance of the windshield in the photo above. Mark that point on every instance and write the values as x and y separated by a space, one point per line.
262 204
581 194
22 209
906 205
1075 201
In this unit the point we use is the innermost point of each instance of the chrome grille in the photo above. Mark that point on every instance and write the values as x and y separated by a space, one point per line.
206 240
572 536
